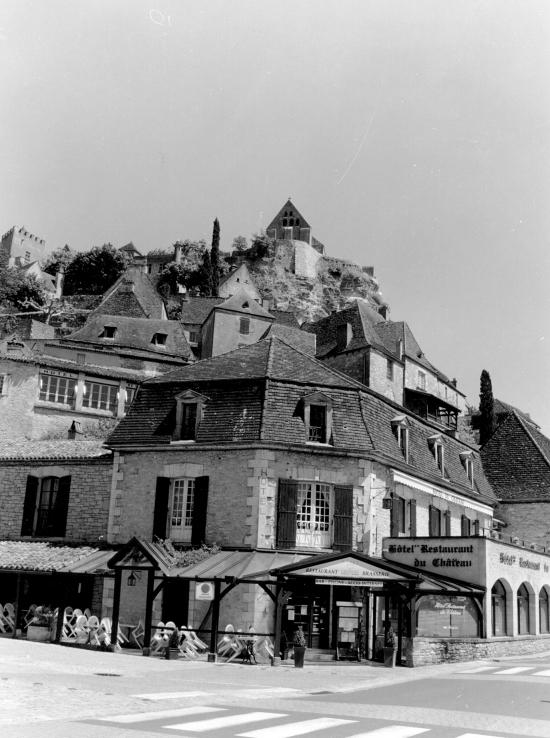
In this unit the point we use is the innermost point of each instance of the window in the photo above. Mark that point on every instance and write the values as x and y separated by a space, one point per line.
318 418
443 616
54 388
46 505
499 609
244 326
81 358
159 339
440 457
189 410
389 370
129 397
523 610
400 426
109 331
468 463
314 515
544 611
27 256
181 509
193 336
465 526
434 521
99 396
421 381
149 268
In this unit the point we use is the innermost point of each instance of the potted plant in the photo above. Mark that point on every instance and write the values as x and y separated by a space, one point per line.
390 646
40 626
172 650
299 641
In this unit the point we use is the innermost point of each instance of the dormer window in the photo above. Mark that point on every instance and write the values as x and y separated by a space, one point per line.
438 450
400 427
109 331
467 459
189 412
318 418
244 325
159 339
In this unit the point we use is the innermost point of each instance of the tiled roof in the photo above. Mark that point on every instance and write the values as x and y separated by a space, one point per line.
48 557
288 204
295 337
135 333
502 409
243 302
195 310
142 302
516 460
284 317
56 448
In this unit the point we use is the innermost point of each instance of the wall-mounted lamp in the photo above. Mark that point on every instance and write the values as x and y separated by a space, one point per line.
133 578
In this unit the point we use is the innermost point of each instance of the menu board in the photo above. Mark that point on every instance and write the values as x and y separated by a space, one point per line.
443 616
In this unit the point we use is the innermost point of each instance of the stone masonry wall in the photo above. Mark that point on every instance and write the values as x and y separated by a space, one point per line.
88 498
425 651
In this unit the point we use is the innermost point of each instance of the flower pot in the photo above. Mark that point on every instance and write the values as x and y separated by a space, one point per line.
171 653
389 656
38 633
299 653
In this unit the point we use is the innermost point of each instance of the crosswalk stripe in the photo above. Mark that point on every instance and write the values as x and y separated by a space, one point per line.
154 696
201 726
136 717
514 670
392 731
546 672
291 729
477 670
478 735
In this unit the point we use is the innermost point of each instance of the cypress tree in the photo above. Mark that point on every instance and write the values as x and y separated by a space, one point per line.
486 408
206 274
215 258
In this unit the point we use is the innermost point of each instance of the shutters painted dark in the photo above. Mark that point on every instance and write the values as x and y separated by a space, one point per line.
412 511
435 521
286 513
343 518
447 523
464 525
200 509
160 516
60 508
29 507
476 527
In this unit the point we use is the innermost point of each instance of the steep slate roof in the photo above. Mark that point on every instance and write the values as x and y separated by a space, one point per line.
289 204
284 317
143 302
516 460
256 393
134 333
242 301
295 337
197 309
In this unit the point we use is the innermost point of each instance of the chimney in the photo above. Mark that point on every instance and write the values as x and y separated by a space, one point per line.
74 431
177 253
384 311
59 279
266 303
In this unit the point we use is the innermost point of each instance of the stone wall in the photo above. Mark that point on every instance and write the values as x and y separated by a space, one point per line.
423 651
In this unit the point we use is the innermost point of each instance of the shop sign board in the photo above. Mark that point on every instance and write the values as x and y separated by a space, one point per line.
204 591
348 569
459 558
373 584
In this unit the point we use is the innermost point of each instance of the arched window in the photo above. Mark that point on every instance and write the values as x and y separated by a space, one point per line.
498 605
523 610
544 611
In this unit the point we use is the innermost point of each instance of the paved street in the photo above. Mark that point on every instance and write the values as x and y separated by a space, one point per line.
55 691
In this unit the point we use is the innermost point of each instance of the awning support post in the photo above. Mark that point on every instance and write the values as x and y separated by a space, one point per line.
116 609
59 622
212 656
17 605
148 612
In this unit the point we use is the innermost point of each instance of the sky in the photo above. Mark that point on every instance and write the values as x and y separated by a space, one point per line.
414 136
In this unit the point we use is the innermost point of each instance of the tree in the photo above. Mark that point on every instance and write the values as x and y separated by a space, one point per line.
486 408
239 244
94 271
215 258
59 260
205 272
17 289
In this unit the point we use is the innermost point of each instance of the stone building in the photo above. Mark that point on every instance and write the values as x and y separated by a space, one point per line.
19 248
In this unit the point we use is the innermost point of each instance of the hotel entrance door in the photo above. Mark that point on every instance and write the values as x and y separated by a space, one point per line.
310 609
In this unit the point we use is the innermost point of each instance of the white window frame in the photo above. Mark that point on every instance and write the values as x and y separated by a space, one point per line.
401 425
188 397
108 396
182 503
438 450
314 515
50 384
467 459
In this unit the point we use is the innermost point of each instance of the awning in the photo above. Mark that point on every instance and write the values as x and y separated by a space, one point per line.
240 565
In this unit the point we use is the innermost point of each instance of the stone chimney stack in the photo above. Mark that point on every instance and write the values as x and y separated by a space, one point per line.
177 253
59 279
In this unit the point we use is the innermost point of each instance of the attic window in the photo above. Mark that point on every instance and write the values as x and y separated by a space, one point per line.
400 427
189 412
466 457
318 418
438 450
159 339
244 326
109 331
246 305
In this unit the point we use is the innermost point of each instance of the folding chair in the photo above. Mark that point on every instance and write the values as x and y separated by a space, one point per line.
159 639
81 630
93 628
67 631
136 635
3 620
227 645
201 645
8 617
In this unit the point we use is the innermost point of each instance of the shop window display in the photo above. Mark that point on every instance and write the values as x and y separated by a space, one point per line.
442 616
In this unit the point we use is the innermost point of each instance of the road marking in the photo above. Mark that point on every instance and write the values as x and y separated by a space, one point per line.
154 696
477 670
546 672
136 717
514 670
392 731
478 735
263 692
201 726
292 729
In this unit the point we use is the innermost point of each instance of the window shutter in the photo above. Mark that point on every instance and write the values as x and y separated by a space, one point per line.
412 511
286 513
160 516
200 509
476 527
61 507
447 522
464 526
435 521
29 507
394 518
343 518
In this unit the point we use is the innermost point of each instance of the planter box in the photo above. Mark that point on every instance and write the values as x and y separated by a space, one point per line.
299 653
40 633
389 656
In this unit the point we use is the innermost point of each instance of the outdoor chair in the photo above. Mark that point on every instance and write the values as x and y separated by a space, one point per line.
159 640
8 616
201 645
81 630
93 628
228 645
137 633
